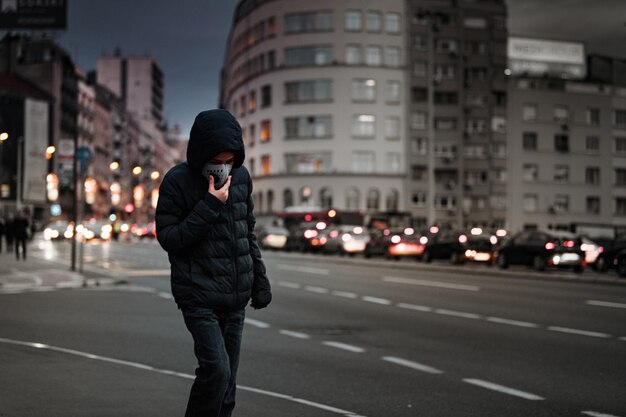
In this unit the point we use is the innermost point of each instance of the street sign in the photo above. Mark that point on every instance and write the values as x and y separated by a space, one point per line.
33 14
83 154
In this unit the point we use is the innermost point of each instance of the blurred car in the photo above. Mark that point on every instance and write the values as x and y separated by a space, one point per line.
344 239
541 250
458 247
606 258
395 243
98 229
147 230
620 263
272 237
592 250
56 230
306 237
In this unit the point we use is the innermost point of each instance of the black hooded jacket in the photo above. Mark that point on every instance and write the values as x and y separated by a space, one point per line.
214 256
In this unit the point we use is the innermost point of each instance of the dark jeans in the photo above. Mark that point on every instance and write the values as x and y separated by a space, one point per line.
217 339
20 243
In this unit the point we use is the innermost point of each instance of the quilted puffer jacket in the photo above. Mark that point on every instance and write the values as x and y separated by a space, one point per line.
213 251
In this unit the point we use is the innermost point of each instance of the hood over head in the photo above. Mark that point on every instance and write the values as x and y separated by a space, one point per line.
214 132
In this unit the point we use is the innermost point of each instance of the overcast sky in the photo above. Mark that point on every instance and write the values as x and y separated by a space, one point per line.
188 37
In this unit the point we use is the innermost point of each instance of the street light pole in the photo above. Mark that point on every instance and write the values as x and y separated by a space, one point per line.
20 151
432 216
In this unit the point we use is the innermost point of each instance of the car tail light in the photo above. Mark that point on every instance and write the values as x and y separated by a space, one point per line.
463 239
310 234
493 240
569 244
600 249
550 246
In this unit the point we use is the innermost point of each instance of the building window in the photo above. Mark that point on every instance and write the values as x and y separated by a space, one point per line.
593 205
271 27
420 42
252 167
446 97
476 74
529 112
252 136
445 202
445 72
561 143
529 141
419 173
445 123
475 100
530 172
364 90
561 114
363 161
620 177
475 151
446 45
561 173
392 127
419 94
363 126
419 69
266 131
418 120
475 125
474 22
308 91
373 199
419 146
392 200
498 202
308 22
620 119
592 144
252 102
373 21
392 22
499 175
392 56
242 106
373 55
353 55
270 201
353 20
308 162
620 146
392 92
498 150
326 198
266 96
620 206
266 164
418 199
592 116
308 127
592 175
475 48
475 177
561 203
530 203
448 151
308 55
287 198
353 198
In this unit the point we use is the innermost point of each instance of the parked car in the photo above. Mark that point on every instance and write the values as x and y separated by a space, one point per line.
541 250
620 263
272 237
606 258
395 243
344 239
147 230
98 229
306 237
459 247
56 230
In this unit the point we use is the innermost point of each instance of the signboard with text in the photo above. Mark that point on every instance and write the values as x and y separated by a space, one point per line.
36 132
536 57
33 14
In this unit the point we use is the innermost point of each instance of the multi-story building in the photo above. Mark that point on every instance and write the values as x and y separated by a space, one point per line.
320 93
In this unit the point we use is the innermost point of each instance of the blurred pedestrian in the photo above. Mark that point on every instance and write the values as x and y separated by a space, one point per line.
2 231
9 232
205 221
21 231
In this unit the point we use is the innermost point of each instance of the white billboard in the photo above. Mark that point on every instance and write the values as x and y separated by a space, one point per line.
529 56
36 135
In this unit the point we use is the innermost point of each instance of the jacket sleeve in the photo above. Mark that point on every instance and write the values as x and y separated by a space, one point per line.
261 290
176 231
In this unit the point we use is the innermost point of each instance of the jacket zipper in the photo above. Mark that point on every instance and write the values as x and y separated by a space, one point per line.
234 255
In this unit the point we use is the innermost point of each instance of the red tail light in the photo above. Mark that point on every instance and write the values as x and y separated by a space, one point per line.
569 244
550 246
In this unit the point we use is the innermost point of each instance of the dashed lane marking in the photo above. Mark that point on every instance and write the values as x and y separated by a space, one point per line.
287 284
144 367
611 304
344 346
344 294
596 414
317 290
413 365
305 269
376 300
623 339
435 284
502 389
512 322
578 332
454 313
297 335
415 307
256 323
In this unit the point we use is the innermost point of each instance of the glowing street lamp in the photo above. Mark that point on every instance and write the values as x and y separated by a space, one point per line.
137 170
4 136
50 150
113 166
155 175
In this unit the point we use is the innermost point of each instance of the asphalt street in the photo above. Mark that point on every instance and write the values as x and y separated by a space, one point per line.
343 336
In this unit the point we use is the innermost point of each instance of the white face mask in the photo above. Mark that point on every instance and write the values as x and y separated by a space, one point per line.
220 173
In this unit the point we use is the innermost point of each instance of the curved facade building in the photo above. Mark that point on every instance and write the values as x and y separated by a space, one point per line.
319 91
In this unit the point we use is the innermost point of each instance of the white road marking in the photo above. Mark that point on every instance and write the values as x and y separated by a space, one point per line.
344 346
605 304
623 339
344 294
318 290
147 272
596 414
436 284
297 335
512 322
256 323
578 332
415 307
413 365
305 269
503 389
166 295
286 284
178 374
457 313
376 300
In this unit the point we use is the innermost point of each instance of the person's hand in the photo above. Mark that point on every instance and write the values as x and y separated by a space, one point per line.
222 193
